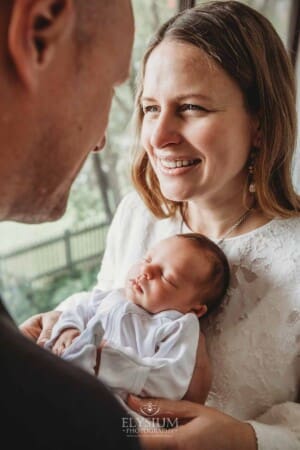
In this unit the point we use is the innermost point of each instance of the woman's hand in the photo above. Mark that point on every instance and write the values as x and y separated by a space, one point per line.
39 327
64 340
207 428
202 377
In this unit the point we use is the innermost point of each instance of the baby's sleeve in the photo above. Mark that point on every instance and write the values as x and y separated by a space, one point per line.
84 307
166 374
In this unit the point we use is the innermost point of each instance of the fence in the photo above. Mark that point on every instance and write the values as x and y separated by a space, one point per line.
56 255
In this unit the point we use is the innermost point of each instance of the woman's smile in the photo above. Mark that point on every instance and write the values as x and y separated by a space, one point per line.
176 166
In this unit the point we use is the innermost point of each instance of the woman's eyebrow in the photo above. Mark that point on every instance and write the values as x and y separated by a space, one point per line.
193 95
181 97
147 99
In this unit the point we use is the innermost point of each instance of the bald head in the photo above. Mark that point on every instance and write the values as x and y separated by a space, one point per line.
60 62
99 16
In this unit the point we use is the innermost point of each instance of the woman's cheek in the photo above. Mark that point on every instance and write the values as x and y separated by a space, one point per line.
146 134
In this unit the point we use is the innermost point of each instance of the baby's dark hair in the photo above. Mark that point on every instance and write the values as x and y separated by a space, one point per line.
219 276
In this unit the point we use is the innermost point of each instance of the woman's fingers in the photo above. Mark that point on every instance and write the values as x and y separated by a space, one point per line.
164 440
39 327
49 319
153 407
31 328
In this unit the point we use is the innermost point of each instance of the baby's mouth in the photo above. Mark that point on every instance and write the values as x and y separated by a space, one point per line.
136 285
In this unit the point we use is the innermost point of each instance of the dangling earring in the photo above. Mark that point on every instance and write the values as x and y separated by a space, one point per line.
252 185
252 159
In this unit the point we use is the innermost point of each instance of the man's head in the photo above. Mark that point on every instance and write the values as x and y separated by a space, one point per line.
187 273
59 63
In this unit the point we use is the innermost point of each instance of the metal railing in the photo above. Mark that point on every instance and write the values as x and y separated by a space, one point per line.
49 258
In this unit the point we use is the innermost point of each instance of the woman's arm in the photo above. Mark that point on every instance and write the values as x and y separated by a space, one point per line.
200 383
279 427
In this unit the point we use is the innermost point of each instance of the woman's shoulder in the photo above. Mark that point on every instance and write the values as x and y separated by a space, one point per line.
283 231
275 242
132 204
132 210
275 230
287 226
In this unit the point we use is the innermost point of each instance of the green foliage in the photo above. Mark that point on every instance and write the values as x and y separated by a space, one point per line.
85 203
24 299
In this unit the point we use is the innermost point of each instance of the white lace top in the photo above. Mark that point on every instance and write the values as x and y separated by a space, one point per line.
254 339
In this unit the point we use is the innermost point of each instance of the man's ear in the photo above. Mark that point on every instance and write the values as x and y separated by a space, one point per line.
36 29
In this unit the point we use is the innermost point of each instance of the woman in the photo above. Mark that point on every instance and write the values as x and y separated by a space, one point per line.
216 133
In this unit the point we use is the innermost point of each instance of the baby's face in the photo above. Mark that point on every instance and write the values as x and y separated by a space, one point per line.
169 277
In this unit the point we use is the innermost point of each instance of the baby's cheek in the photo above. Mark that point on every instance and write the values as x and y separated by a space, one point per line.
134 271
160 297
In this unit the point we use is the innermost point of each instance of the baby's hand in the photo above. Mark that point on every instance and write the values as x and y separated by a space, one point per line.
64 340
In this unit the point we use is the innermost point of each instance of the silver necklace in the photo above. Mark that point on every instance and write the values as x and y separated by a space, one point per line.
240 220
234 226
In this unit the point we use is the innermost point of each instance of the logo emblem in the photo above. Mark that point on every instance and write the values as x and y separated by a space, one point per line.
150 409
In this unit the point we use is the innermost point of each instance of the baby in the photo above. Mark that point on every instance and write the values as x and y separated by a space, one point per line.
148 332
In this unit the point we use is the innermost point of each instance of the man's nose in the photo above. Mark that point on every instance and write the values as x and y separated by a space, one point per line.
100 145
165 131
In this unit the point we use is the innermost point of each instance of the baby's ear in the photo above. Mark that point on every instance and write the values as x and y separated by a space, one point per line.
200 310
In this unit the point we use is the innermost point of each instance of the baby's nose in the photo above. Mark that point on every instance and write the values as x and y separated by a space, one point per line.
150 271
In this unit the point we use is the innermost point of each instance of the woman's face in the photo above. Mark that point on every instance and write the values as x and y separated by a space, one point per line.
195 129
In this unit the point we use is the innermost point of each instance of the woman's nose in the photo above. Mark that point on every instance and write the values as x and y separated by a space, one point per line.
165 131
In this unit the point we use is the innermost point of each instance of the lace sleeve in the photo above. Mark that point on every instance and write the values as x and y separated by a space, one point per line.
112 266
105 277
278 428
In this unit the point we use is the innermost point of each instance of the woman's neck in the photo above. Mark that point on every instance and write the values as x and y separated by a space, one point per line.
215 218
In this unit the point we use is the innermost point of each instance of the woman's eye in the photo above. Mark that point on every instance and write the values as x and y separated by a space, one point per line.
150 109
191 107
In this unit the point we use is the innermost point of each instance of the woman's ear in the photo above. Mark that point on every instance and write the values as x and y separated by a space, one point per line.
36 30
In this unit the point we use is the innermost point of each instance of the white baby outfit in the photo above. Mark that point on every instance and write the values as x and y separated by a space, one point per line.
151 355
254 339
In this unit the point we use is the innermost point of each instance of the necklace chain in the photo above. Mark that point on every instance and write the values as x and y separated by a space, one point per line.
240 220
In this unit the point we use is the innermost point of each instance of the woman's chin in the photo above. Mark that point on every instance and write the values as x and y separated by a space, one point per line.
175 195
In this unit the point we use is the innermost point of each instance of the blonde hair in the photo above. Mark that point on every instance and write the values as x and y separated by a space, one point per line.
247 47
